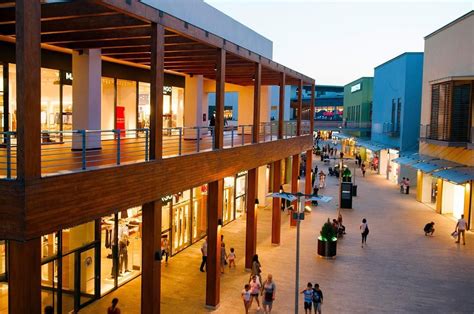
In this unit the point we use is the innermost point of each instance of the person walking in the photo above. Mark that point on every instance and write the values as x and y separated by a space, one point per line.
364 230
165 248
255 287
268 292
308 297
402 186
407 186
204 255
461 227
113 309
231 257
362 168
256 268
223 257
245 294
317 298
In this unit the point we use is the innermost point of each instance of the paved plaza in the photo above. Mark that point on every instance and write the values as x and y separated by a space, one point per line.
399 271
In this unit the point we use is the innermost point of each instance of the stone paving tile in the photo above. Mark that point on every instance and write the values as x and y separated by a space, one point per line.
399 271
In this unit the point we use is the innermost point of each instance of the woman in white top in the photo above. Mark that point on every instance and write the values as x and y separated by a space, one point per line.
364 231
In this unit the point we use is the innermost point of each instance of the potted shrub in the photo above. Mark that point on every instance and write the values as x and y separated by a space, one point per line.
327 241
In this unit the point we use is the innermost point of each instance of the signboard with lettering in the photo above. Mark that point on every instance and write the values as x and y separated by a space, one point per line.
356 87
65 77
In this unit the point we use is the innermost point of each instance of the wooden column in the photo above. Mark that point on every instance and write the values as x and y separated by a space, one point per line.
214 216
295 172
251 222
24 276
257 91
220 95
308 188
156 93
151 264
300 107
28 84
281 106
276 204
439 197
311 110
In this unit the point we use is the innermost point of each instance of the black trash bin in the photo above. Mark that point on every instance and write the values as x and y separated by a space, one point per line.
354 190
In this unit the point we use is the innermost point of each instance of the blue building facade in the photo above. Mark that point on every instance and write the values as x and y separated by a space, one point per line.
397 107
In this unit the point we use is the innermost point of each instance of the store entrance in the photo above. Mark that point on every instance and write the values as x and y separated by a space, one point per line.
78 280
181 226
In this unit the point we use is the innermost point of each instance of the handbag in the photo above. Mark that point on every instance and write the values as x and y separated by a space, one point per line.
454 234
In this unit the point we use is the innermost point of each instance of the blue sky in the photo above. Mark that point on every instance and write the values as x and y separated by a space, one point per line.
337 41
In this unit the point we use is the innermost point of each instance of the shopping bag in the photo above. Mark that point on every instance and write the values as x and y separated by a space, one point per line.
454 234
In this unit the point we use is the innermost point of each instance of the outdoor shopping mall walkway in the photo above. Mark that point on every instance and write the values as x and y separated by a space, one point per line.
400 270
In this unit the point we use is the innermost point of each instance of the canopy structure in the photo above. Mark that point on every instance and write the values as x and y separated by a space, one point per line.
458 175
435 165
373 146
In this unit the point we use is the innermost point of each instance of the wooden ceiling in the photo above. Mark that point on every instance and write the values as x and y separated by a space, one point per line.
91 24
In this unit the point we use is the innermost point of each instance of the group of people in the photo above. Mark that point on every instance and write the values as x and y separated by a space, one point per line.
405 186
226 259
339 228
256 288
313 298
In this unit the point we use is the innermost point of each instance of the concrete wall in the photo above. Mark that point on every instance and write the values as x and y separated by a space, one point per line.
203 15
448 52
399 78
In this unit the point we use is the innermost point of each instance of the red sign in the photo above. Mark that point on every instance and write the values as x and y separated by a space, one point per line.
120 120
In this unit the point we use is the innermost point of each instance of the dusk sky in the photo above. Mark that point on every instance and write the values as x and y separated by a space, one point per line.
336 42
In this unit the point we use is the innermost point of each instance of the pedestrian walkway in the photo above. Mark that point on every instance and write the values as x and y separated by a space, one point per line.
400 270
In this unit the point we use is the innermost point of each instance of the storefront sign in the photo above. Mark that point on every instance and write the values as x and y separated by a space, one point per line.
356 87
241 173
166 199
65 77
167 90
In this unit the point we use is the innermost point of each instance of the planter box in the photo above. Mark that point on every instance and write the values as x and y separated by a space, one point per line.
327 249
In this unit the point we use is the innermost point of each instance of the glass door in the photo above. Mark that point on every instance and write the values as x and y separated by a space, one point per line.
181 226
85 277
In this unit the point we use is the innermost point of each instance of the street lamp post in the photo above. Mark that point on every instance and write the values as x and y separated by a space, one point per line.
298 214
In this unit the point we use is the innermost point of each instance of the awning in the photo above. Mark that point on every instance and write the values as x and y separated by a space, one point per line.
411 159
458 175
435 165
373 146
341 135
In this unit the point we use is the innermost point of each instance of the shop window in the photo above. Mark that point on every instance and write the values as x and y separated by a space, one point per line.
108 104
50 107
79 236
126 110
49 245
2 101
228 209
108 254
240 195
49 284
181 220
199 212
12 97
129 244
143 105
3 278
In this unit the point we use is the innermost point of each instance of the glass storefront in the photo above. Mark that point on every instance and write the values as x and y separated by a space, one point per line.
429 191
3 278
125 104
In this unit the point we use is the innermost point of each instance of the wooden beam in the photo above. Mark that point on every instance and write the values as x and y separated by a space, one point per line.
220 99
24 272
28 78
300 108
151 266
281 106
257 91
276 204
95 35
251 220
214 221
157 82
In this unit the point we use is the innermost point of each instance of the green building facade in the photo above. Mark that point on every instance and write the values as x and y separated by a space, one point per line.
358 106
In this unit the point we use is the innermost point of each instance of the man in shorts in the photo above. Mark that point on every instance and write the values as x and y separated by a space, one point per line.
308 297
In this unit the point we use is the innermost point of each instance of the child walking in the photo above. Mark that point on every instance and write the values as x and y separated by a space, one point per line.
246 297
308 297
231 257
